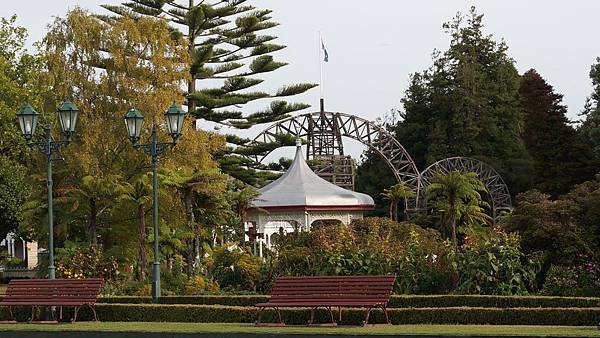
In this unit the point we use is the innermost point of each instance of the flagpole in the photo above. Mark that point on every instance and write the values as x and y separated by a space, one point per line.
321 99
320 64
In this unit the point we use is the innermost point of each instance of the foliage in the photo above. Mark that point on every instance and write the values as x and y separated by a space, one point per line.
18 84
467 104
19 72
491 262
590 128
584 199
548 227
581 279
226 52
353 316
233 267
396 301
14 190
198 285
396 193
560 157
104 190
456 200
85 262
372 176
12 262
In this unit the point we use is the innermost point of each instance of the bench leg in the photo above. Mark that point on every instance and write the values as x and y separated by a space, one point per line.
11 314
279 315
387 318
259 312
75 314
33 308
93 308
366 322
331 315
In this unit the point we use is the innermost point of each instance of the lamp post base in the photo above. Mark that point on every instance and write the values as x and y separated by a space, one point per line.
155 282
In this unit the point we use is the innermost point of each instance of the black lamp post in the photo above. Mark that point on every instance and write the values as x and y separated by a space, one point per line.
134 121
28 119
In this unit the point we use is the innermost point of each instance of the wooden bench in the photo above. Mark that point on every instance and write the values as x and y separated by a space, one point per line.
59 293
328 292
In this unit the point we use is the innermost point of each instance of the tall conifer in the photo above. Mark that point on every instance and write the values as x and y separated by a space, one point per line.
561 158
228 51
467 104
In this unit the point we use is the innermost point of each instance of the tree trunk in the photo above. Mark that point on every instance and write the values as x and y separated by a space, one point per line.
142 241
92 221
191 103
193 247
454 231
391 210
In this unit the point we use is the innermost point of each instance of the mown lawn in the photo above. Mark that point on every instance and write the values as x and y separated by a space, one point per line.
491 330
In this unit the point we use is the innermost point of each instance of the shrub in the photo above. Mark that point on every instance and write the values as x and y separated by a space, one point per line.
583 279
85 262
396 301
241 314
234 268
198 285
491 262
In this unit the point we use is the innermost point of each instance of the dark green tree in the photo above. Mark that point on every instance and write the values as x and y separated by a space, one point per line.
586 198
373 176
561 158
590 128
18 84
549 227
467 104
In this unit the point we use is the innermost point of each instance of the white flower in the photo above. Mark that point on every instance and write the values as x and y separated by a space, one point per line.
231 267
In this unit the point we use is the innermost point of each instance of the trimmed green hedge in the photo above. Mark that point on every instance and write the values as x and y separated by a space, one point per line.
242 314
396 301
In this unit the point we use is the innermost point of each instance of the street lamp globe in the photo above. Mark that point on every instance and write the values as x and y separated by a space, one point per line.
67 116
28 118
175 117
134 119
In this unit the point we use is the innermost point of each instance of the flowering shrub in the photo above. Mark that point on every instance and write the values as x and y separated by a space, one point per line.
490 261
198 285
582 279
85 262
233 267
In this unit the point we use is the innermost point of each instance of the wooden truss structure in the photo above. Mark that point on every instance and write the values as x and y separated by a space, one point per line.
497 192
323 132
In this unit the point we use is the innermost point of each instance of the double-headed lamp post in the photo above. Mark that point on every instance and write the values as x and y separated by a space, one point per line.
28 120
134 120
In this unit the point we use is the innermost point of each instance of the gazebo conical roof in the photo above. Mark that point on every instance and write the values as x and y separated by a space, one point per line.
301 189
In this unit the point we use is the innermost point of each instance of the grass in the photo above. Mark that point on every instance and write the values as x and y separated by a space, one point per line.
491 330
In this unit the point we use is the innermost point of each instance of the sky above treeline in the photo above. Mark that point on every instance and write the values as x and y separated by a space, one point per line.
374 46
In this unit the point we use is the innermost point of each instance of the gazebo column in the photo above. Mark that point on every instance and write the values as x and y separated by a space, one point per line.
307 221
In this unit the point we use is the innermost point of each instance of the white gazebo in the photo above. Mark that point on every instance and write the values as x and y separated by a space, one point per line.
299 198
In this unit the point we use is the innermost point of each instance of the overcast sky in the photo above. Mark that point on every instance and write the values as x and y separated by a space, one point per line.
375 45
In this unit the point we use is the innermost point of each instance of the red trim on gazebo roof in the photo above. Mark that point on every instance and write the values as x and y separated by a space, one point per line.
318 208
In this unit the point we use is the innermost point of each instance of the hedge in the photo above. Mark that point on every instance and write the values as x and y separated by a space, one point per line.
396 301
245 314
